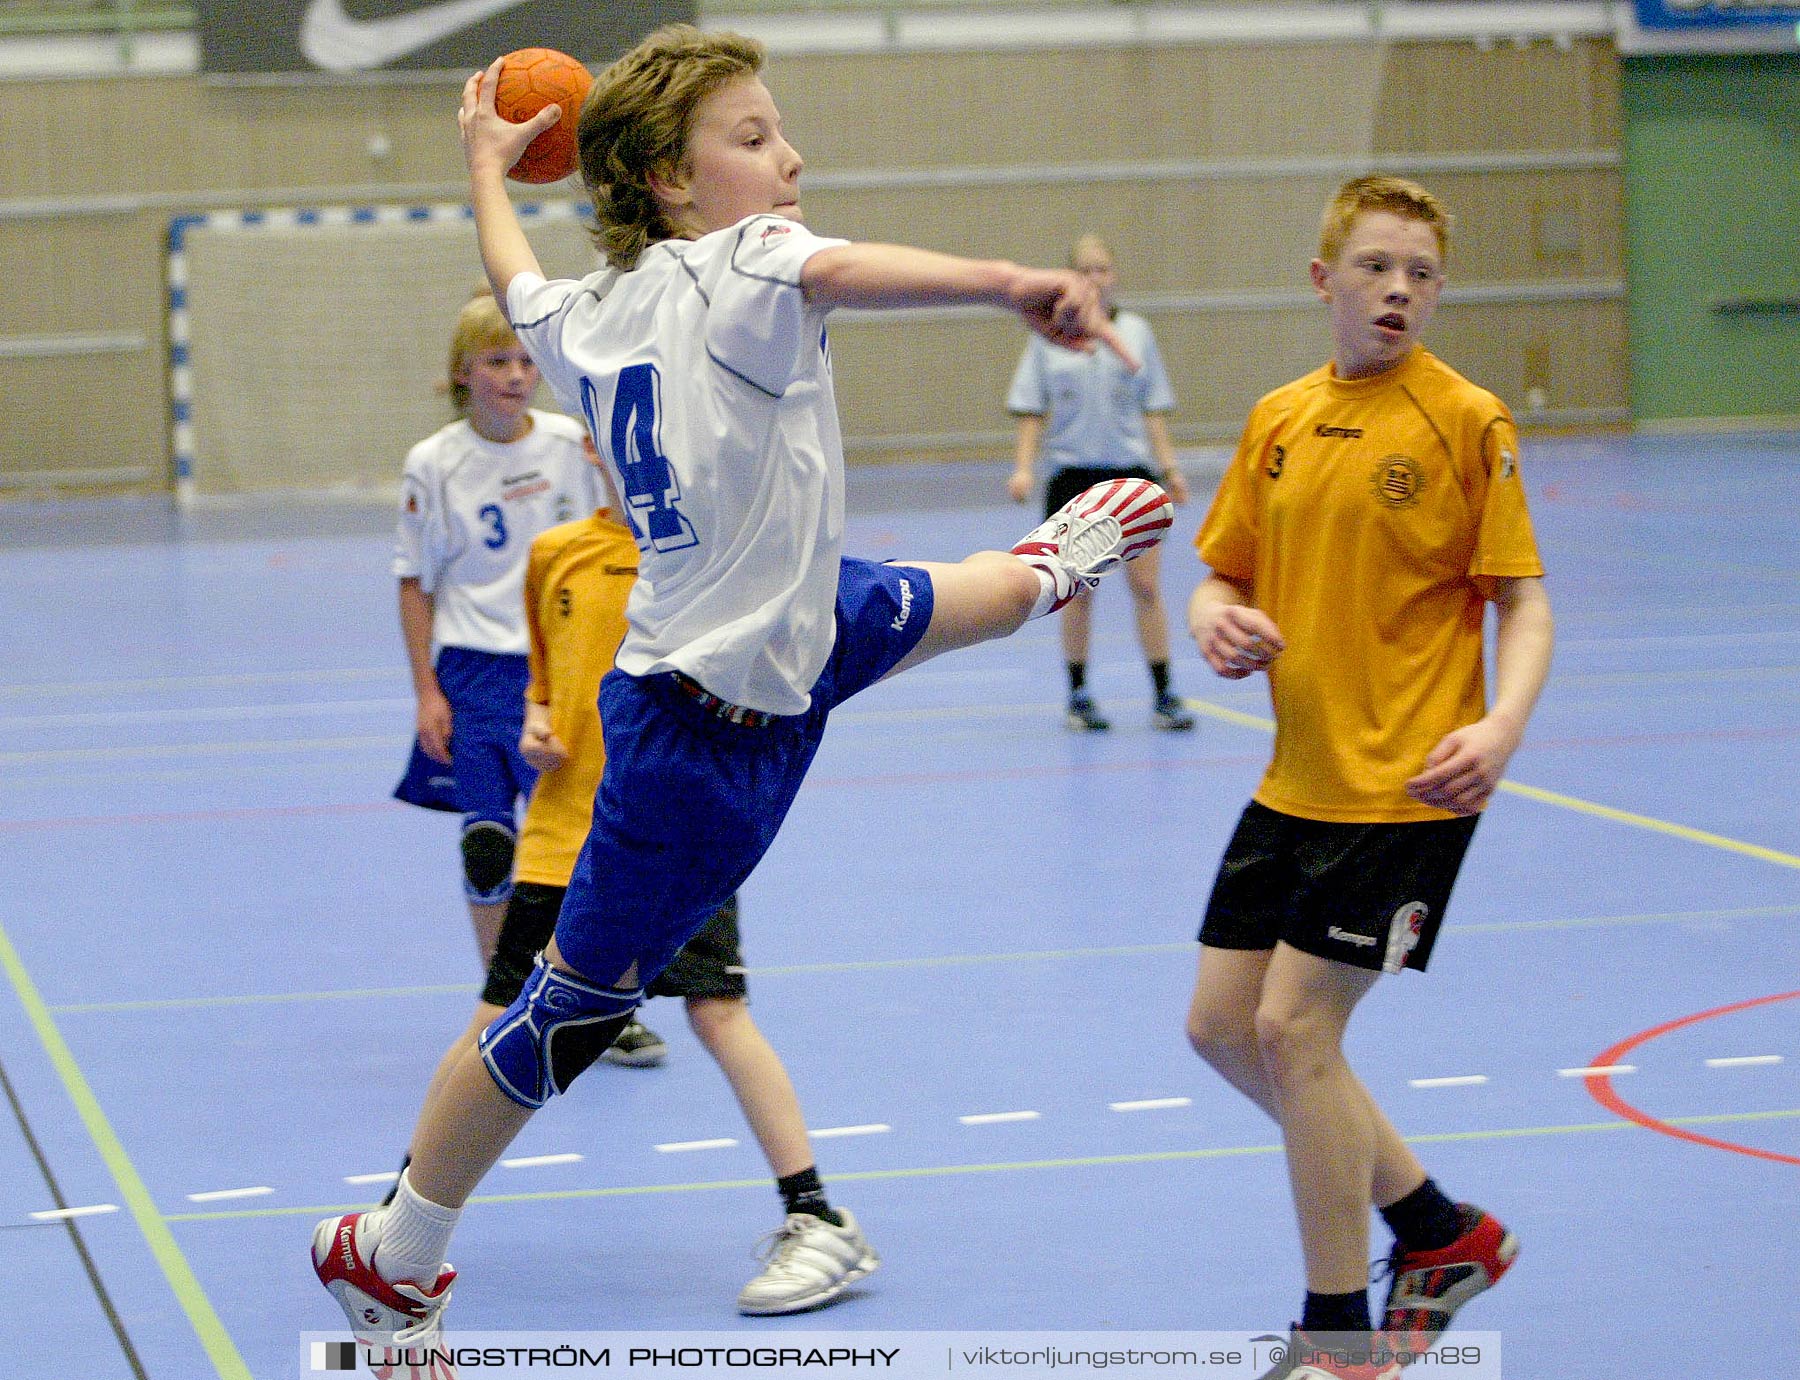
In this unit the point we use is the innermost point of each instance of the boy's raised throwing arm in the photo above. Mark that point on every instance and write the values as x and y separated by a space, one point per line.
491 145
1059 305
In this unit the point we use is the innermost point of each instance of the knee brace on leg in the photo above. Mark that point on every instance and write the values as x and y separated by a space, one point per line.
487 855
553 1031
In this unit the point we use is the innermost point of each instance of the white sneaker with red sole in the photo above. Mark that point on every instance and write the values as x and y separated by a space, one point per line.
382 1314
1095 532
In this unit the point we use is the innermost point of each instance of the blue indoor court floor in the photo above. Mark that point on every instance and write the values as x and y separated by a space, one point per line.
231 963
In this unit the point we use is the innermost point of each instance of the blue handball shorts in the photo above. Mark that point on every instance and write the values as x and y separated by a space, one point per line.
689 803
486 775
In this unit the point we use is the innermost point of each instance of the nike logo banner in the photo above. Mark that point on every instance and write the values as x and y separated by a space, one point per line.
348 38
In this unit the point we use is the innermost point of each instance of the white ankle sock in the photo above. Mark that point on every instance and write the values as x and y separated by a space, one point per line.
413 1233
1046 596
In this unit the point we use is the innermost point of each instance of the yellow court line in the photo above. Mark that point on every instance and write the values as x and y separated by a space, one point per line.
1230 716
1000 1167
1567 802
187 1290
1660 826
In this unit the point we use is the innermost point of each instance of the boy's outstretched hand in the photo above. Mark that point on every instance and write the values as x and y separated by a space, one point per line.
491 142
1065 308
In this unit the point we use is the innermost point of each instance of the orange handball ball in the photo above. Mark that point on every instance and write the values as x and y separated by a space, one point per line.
531 79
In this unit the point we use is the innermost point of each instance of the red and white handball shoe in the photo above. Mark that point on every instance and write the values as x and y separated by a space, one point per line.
385 1315
1095 532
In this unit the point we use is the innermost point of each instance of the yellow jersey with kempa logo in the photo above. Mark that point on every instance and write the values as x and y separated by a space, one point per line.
576 583
1367 516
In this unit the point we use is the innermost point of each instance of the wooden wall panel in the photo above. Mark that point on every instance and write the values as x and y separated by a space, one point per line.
93 413
897 379
184 142
1227 235
84 274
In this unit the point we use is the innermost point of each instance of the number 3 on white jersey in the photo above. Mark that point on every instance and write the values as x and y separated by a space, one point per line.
651 493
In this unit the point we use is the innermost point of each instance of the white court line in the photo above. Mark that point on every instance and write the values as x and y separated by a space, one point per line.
1151 1104
59 1213
219 1195
1594 1070
874 1128
676 1147
986 1118
387 1176
535 1161
1743 1061
1467 1080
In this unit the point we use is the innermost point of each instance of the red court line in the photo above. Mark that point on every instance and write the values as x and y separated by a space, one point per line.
1683 736
353 807
878 779
1600 1085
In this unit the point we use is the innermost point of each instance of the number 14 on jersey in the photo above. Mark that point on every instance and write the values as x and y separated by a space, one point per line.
652 495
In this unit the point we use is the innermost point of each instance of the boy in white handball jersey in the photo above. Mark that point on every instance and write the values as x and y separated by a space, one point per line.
473 496
699 359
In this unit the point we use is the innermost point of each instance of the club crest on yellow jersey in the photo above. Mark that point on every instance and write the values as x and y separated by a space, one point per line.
1397 481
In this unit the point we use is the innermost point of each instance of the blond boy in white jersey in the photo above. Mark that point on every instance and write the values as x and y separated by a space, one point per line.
473 496
699 360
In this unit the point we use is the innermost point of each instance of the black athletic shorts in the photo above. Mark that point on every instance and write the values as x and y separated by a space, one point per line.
711 965
1065 483
1370 895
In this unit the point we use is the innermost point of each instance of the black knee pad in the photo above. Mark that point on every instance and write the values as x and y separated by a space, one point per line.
487 855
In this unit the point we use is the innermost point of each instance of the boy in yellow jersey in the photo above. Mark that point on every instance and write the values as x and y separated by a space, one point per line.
1372 511
576 583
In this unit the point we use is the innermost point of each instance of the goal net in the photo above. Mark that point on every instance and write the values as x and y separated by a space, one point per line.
308 347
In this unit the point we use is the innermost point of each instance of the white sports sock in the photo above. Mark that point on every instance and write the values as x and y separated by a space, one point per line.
412 1236
1046 596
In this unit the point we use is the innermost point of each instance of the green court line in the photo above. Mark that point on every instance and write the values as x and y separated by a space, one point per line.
269 998
187 1290
1659 917
999 1167
1567 802
1654 917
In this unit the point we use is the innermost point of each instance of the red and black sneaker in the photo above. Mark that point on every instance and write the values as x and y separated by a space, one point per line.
1337 1356
1427 1287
